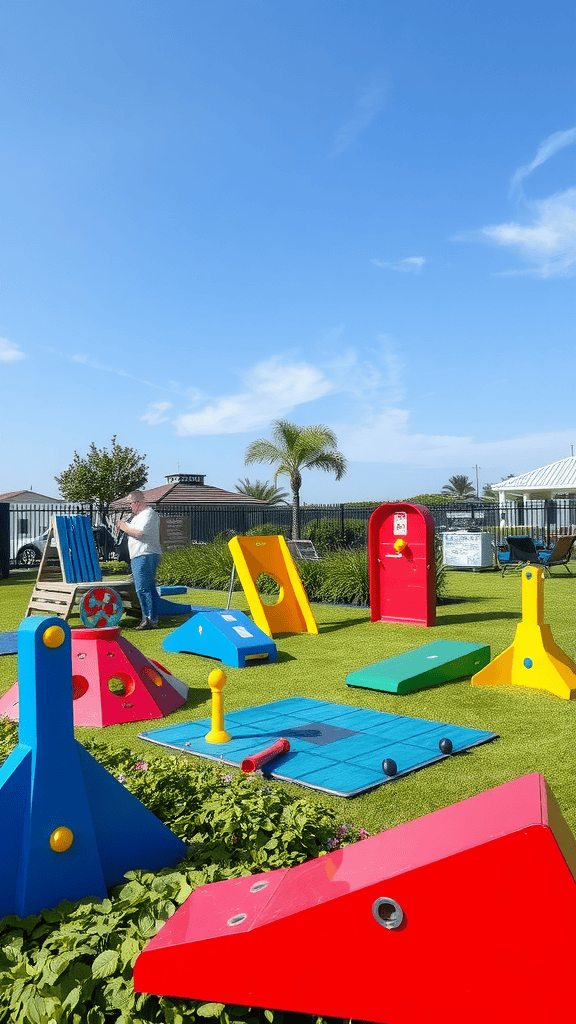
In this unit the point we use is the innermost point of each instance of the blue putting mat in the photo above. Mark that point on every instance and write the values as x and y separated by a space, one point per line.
333 747
8 643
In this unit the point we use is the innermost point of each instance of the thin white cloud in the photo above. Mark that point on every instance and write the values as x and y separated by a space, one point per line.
546 149
409 265
386 439
369 104
272 389
9 351
546 237
155 413
94 364
548 242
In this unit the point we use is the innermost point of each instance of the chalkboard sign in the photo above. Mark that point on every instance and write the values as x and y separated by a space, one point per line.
175 531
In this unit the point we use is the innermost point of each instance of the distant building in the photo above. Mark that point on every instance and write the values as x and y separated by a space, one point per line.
190 489
29 517
193 512
29 498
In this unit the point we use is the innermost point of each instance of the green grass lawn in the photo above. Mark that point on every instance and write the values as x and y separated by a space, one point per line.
536 729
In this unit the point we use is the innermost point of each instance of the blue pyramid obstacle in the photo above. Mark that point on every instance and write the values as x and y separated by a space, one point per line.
69 828
229 636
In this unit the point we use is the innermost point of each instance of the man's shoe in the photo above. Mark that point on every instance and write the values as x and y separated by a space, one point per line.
153 623
145 624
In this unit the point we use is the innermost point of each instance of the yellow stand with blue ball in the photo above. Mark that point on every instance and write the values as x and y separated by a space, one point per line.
534 659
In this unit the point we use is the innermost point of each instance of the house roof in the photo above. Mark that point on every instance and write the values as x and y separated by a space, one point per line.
557 478
180 493
29 496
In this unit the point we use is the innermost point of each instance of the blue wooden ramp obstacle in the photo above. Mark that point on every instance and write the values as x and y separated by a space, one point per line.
333 747
229 636
440 662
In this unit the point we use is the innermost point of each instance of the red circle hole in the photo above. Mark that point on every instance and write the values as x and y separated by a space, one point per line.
121 685
79 686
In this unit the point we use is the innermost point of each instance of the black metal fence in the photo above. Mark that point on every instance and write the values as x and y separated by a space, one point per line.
542 520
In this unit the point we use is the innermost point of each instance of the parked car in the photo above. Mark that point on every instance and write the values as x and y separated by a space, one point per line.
29 554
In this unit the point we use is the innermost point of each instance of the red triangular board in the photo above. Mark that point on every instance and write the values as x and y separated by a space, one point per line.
486 921
112 682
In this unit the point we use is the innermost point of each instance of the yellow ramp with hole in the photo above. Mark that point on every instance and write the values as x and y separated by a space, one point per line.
534 659
291 613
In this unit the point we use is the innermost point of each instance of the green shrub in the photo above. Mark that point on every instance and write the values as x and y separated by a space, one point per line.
73 964
344 578
439 567
269 530
115 568
199 565
430 499
327 535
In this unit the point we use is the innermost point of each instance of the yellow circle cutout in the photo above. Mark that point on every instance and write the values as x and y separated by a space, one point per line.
62 837
53 636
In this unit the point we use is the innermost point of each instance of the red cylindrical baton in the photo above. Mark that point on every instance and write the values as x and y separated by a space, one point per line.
252 764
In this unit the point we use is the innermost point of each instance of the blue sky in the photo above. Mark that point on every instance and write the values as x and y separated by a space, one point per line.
219 213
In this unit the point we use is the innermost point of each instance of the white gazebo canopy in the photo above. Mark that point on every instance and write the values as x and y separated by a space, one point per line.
557 478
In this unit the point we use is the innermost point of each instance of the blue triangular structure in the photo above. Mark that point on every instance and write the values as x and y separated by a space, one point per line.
230 636
50 783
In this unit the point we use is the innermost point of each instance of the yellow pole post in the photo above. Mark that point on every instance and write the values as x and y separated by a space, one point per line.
217 734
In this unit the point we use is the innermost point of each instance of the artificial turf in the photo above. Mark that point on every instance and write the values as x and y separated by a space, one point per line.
537 730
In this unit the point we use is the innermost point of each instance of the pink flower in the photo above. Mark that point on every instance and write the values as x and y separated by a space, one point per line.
142 766
363 834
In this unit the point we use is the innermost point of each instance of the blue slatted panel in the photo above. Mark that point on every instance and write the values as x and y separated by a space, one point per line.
79 555
88 547
344 765
68 569
77 551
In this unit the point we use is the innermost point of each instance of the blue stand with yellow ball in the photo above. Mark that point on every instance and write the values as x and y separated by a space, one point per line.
69 828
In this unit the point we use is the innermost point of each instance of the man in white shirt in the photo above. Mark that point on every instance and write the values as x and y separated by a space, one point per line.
143 533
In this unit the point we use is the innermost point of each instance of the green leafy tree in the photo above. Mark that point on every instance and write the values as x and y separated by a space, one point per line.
427 499
293 449
263 490
459 486
103 476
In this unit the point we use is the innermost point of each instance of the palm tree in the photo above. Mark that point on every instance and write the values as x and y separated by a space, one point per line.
262 490
293 449
459 486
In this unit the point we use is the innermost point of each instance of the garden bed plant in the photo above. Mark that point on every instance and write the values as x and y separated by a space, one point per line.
73 964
